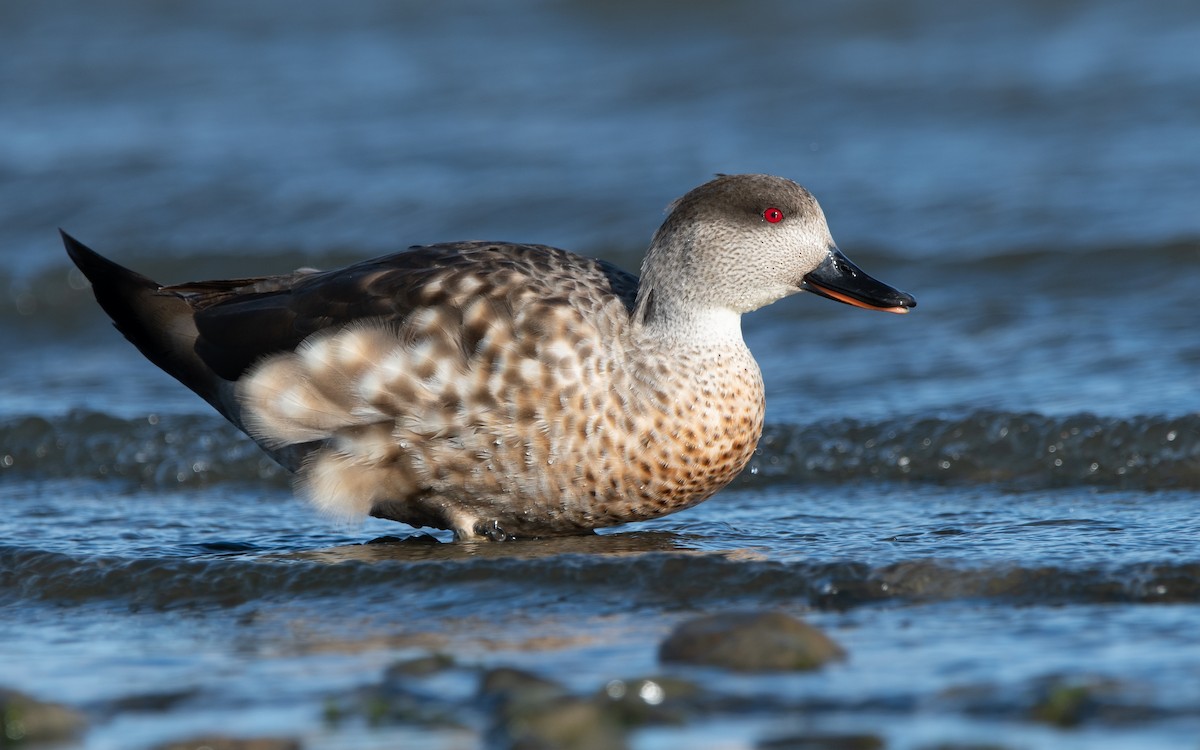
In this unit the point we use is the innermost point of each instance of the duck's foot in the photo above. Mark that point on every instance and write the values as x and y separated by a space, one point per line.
473 528
491 531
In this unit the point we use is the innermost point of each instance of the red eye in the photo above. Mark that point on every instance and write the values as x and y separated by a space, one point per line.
773 215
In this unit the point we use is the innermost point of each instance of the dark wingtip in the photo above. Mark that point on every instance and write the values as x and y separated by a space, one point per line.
73 245
88 260
102 272
151 321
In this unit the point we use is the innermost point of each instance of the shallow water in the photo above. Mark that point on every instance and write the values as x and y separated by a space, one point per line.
991 503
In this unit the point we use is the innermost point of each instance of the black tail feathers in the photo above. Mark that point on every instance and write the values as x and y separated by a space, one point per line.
159 324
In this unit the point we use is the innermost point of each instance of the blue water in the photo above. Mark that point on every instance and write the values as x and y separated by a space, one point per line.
981 500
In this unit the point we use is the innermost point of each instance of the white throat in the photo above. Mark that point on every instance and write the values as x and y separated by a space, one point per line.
717 327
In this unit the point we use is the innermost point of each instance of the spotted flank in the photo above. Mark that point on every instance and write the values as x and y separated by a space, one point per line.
503 390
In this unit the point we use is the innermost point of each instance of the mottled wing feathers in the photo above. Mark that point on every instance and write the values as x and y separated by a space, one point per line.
426 377
243 320
204 294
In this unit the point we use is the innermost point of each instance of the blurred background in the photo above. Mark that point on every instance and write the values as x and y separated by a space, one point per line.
926 129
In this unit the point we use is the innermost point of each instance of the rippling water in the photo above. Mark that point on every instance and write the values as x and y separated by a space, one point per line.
992 503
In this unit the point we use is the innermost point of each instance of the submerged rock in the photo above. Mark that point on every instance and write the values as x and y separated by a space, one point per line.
26 720
652 700
233 743
1069 703
152 702
532 712
403 696
750 642
508 686
1064 702
570 723
824 742
419 666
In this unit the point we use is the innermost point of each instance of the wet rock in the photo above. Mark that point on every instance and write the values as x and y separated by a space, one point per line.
966 745
402 697
386 707
653 700
152 702
824 742
1061 701
26 720
531 713
416 539
1066 704
750 642
506 686
233 743
569 723
420 666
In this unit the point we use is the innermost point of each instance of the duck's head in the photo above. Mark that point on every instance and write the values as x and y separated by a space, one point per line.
740 242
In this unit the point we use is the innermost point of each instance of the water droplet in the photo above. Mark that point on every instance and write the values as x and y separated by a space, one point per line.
651 692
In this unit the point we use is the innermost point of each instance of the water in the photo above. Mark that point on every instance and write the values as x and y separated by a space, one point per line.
990 502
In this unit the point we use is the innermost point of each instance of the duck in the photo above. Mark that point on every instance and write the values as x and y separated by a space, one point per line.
503 390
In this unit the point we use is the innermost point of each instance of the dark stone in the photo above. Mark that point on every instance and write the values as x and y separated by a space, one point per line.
420 666
567 723
750 642
1066 704
532 713
233 743
26 720
508 685
153 702
824 742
